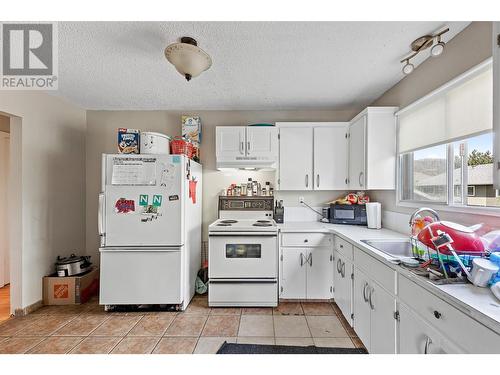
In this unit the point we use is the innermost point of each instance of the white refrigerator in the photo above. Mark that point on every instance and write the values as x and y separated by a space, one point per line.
150 228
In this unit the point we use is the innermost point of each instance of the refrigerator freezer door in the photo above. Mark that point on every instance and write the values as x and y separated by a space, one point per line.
140 276
143 200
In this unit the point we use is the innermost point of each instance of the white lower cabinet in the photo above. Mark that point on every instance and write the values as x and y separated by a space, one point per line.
374 310
319 277
306 273
342 281
418 337
293 273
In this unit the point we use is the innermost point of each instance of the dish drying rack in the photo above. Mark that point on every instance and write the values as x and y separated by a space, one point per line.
434 264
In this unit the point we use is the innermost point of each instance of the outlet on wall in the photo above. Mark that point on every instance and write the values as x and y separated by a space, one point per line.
301 199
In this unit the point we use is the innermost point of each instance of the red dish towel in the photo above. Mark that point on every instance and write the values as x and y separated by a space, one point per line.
192 190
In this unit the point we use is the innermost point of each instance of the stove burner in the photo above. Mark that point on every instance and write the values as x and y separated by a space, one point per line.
264 221
261 224
229 221
223 224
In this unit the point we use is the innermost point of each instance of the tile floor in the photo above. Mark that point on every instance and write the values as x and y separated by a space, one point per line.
200 329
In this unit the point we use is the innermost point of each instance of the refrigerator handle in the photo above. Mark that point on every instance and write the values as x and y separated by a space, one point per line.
100 218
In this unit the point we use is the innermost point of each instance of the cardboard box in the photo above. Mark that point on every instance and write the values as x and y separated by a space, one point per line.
191 128
128 141
70 290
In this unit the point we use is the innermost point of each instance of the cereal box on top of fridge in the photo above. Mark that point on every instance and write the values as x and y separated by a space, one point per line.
128 141
191 128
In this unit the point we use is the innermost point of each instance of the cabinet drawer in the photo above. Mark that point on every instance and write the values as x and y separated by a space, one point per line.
306 239
344 247
382 274
461 329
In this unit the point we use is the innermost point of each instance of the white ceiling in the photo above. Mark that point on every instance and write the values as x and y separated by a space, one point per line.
256 65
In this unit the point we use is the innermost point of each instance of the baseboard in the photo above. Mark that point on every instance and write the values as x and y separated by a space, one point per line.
28 309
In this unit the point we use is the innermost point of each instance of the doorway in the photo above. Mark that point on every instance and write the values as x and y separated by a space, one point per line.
4 224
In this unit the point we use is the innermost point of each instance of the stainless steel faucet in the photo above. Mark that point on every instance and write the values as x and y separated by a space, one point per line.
420 210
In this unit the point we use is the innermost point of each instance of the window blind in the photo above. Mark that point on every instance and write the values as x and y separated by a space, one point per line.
457 110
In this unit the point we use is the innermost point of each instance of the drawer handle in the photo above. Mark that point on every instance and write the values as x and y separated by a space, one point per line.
342 270
301 259
341 246
338 265
306 240
437 314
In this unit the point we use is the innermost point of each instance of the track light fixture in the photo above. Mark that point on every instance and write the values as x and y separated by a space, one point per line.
422 43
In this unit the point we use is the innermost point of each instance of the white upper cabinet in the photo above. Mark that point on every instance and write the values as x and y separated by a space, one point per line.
312 156
296 158
372 149
230 142
330 164
261 141
357 154
246 146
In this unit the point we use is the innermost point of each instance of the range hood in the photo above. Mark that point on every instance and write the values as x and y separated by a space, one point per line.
247 163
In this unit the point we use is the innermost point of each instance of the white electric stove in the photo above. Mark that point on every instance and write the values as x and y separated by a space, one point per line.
243 253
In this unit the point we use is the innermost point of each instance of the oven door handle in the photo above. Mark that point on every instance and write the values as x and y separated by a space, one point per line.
240 234
243 281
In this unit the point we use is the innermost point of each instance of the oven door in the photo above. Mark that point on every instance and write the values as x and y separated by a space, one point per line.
235 256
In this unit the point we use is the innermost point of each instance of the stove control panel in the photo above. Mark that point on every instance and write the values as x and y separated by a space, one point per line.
246 203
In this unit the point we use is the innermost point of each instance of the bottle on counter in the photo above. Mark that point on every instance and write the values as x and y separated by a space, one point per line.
271 192
255 188
237 190
268 188
249 187
243 189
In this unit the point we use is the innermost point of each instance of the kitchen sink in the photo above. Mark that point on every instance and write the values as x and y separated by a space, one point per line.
395 248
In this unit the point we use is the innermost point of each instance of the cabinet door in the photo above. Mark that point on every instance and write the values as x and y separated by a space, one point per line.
296 158
382 322
230 142
330 158
319 273
293 275
262 141
417 337
357 154
342 281
361 307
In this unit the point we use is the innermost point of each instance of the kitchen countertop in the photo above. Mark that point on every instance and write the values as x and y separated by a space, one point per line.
479 303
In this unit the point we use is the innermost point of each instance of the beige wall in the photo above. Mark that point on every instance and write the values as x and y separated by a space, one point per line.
48 141
467 49
101 138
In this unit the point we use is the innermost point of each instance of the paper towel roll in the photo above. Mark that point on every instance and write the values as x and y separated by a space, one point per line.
374 215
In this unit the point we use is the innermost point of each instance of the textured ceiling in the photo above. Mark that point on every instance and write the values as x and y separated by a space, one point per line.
256 65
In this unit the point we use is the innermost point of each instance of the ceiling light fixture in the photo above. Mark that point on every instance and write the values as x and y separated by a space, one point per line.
408 67
422 43
437 48
189 59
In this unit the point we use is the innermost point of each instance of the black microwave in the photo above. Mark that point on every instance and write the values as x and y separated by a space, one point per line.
354 214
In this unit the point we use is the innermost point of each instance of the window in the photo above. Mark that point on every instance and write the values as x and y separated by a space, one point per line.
425 174
445 144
